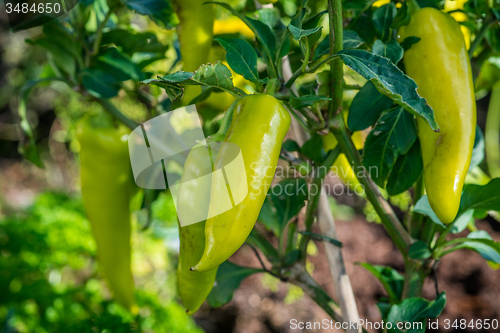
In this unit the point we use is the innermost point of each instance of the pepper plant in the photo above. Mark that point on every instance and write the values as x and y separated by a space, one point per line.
419 72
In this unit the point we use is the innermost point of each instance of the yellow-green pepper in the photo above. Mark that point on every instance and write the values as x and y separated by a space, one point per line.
194 196
193 287
258 127
195 32
440 66
106 179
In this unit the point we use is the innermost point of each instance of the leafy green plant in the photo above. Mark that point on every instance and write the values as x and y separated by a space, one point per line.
302 63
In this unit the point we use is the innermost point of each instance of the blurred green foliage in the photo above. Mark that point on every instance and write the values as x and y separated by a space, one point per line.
49 280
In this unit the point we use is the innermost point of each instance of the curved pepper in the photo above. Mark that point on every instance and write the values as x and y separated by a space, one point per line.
106 179
193 287
193 196
195 32
258 127
440 66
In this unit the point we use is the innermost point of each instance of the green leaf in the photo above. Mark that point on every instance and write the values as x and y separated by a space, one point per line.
406 171
216 75
408 42
27 145
415 309
481 242
322 49
173 90
390 279
292 257
298 33
160 11
120 63
260 242
366 107
131 42
393 134
264 35
383 18
312 149
384 308
284 201
291 146
63 59
178 77
241 57
99 83
261 30
402 17
351 40
461 221
306 101
390 81
227 280
213 75
269 16
478 150
321 238
486 197
313 21
419 250
391 50
423 207
269 217
57 33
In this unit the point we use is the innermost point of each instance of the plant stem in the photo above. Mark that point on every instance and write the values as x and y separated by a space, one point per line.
291 239
413 6
108 106
306 58
492 133
272 86
480 35
427 233
338 127
416 218
415 273
336 66
313 201
313 69
294 77
442 236
305 281
395 229
98 39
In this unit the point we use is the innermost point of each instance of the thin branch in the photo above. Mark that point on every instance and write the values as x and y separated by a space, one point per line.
260 259
480 35
336 66
108 106
305 281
